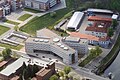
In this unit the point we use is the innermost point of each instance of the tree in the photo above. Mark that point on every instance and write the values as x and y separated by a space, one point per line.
92 52
110 32
98 50
67 69
6 53
28 68
24 66
95 52
114 23
25 74
35 69
53 77
61 73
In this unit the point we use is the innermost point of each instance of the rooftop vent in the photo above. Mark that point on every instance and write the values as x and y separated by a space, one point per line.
58 44
56 40
66 48
46 41
41 40
36 40
62 46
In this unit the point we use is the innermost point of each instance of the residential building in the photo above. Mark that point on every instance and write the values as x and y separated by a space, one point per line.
15 4
1 13
12 71
93 40
46 73
98 26
41 5
75 21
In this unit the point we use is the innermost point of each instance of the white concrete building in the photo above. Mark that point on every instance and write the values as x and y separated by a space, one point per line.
81 45
49 42
96 33
75 20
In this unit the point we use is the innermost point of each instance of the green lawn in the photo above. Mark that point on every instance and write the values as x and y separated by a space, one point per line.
24 17
31 10
11 47
43 21
12 22
46 20
3 29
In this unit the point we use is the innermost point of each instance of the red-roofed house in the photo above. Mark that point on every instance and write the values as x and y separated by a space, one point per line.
97 18
103 42
98 26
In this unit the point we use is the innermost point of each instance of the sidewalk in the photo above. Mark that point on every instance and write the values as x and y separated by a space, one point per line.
26 21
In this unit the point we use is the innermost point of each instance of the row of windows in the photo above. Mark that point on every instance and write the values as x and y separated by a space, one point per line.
98 33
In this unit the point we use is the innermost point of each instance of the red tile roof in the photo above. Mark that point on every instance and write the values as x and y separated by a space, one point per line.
104 39
3 63
88 37
15 78
43 72
96 27
98 18
84 36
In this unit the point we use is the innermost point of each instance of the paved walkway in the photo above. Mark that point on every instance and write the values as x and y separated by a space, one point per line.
26 21
7 25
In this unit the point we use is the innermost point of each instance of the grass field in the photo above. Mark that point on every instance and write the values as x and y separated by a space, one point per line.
24 17
11 47
41 22
12 22
46 20
3 29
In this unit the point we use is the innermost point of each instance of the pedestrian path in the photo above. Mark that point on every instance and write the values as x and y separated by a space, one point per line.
26 21
7 24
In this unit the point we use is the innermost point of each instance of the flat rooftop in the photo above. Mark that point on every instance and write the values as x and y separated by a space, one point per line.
72 39
13 67
19 62
100 10
46 36
98 18
52 43
75 20
43 72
